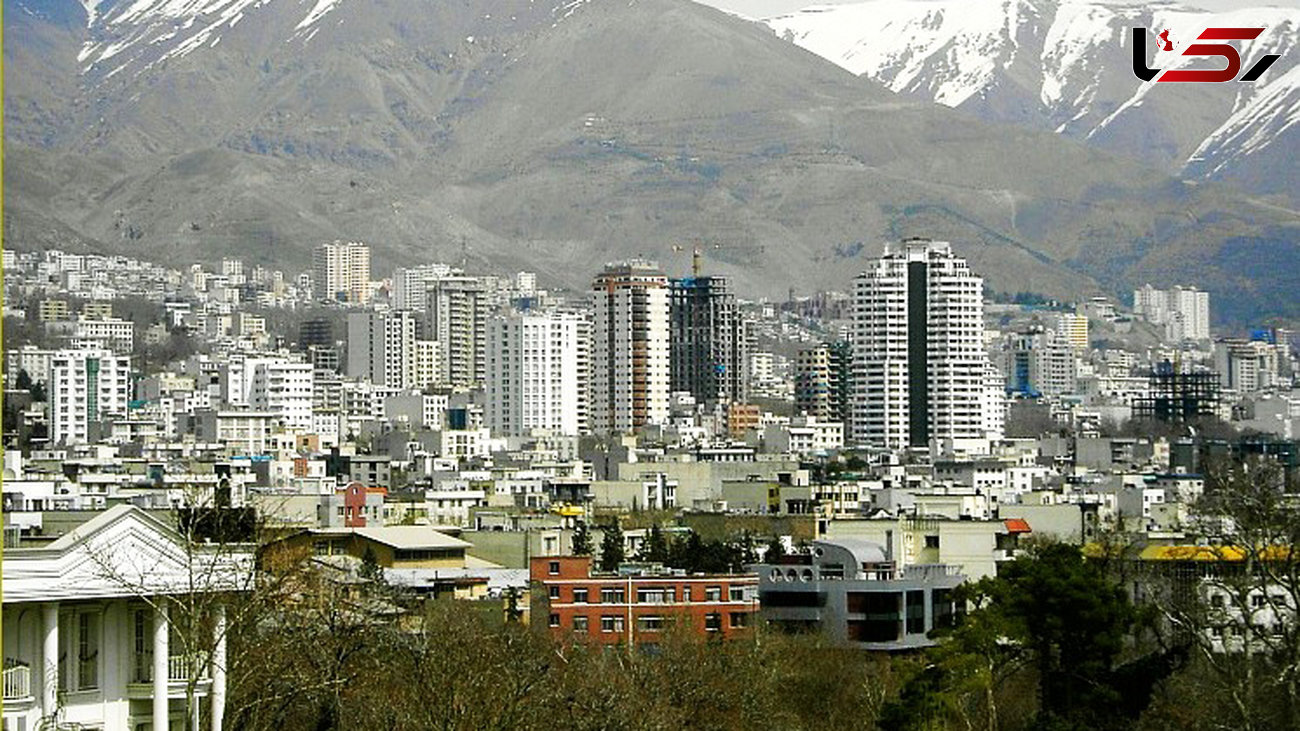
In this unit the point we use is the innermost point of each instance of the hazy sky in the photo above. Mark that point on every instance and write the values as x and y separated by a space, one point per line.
768 8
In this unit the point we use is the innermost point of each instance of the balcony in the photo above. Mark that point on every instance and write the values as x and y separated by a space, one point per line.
178 674
178 669
17 681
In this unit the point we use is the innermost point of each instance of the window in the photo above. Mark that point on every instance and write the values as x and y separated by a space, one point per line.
881 621
686 593
932 541
832 571
79 651
1257 600
612 596
915 612
737 594
553 568
580 625
611 623
712 622
713 594
579 595
1216 601
143 646
553 591
650 623
942 607
88 652
655 596
554 620
739 620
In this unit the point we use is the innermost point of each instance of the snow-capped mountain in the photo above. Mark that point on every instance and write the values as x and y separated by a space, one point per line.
1067 65
551 134
135 36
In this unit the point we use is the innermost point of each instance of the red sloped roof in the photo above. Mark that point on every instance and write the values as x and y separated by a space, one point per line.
1017 525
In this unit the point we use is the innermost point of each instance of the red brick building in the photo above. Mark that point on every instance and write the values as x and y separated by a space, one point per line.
636 607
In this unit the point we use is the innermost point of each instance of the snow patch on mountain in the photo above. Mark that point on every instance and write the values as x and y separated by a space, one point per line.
959 51
1250 128
948 50
321 8
145 32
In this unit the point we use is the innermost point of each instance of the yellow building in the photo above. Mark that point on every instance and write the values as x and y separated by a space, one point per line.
1073 328
393 546
53 310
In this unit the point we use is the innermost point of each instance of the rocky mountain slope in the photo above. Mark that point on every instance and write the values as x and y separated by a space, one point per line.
556 136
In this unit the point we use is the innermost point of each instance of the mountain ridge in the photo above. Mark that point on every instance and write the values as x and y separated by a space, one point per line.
556 137
1065 65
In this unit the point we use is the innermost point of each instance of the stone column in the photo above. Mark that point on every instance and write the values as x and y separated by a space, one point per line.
218 666
50 659
161 655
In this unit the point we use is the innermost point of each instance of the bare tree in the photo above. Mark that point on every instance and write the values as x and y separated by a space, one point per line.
1238 604
200 592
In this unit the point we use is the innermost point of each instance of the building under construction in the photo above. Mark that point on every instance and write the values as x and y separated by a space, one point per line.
1178 397
710 341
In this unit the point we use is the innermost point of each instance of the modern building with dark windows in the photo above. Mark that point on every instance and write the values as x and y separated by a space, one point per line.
709 340
852 593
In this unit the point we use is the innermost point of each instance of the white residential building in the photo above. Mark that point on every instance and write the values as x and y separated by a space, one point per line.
285 388
919 368
116 334
804 435
537 374
411 285
382 348
1184 311
341 272
85 385
247 433
1038 363
458 309
1247 366
629 364
1072 329
428 366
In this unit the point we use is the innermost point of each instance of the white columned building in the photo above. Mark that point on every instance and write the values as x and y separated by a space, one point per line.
86 635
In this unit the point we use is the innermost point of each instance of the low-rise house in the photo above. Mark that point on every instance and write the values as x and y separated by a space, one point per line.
394 546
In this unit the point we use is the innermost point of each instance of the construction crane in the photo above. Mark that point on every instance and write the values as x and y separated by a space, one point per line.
697 252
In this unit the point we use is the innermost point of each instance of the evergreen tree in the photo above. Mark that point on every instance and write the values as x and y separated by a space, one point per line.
611 547
747 551
655 549
581 539
370 568
775 550
1052 610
